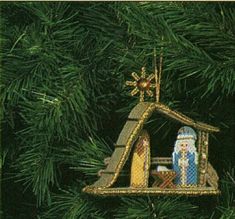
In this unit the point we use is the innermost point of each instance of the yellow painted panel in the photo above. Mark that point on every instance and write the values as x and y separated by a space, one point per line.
141 161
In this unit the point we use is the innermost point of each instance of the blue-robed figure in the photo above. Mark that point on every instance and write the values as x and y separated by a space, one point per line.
185 157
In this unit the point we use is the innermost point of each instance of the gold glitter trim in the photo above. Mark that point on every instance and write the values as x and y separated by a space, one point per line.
203 160
198 191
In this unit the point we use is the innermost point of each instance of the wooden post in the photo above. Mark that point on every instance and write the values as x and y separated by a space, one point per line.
203 138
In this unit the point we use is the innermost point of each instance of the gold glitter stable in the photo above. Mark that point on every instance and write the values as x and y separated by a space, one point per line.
136 119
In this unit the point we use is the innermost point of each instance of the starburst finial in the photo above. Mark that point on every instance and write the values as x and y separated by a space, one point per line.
142 84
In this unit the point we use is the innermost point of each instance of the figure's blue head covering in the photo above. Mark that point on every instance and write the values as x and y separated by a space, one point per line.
186 132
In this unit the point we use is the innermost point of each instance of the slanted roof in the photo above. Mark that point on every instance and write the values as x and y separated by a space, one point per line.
130 132
184 119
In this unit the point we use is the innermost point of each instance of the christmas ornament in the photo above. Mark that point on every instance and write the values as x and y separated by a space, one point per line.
186 172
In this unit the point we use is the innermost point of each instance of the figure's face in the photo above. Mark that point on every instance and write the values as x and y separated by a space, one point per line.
184 146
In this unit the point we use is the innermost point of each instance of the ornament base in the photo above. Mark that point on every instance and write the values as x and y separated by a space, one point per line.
193 191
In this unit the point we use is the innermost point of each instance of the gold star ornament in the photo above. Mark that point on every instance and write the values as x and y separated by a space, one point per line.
142 84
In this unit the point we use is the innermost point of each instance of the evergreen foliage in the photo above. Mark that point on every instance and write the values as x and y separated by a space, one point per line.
63 67
159 208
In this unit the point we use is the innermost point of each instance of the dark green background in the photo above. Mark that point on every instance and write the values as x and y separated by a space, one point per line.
63 70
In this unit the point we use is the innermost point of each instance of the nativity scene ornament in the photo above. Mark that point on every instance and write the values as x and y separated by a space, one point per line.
186 171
